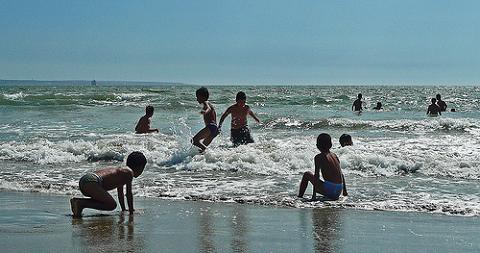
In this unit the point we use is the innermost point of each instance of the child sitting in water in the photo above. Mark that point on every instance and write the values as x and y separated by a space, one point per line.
433 109
143 125
378 107
210 130
239 133
96 186
328 163
345 140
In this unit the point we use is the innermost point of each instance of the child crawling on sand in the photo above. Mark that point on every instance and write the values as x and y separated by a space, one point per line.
96 186
328 163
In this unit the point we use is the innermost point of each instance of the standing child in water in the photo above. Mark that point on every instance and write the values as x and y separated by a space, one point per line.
96 186
328 163
143 125
205 136
433 109
378 107
240 134
441 103
357 104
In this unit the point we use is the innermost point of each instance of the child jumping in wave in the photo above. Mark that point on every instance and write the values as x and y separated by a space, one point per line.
328 163
205 136
239 133
96 186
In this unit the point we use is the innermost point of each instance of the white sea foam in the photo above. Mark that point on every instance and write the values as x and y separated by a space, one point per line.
402 125
14 96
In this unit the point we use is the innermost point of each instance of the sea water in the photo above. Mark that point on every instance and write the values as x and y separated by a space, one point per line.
53 133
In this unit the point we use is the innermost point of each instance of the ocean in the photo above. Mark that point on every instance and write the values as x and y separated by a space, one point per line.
401 160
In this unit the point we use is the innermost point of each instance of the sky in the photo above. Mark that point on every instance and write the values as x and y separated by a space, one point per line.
240 42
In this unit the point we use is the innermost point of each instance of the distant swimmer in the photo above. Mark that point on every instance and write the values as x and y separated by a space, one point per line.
205 136
378 107
328 163
357 104
433 109
441 103
96 186
143 125
345 140
240 134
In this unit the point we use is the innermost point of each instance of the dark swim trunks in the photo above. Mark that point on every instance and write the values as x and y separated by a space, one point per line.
89 178
332 190
213 129
241 136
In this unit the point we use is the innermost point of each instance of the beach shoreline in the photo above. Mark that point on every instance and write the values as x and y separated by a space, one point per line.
43 222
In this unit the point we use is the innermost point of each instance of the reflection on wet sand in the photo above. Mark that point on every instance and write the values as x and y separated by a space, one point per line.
107 233
207 243
239 229
212 229
326 229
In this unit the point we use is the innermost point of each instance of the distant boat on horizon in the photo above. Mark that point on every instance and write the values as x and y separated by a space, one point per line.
93 82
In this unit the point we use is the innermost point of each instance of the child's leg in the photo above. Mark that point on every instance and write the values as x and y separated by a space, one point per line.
100 200
208 140
310 177
204 133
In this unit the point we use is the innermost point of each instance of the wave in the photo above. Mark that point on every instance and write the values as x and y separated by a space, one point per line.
461 125
451 157
401 174
22 99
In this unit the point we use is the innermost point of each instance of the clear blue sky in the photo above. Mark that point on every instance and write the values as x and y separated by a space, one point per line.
242 41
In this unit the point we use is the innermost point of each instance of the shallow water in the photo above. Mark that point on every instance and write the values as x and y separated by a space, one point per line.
401 160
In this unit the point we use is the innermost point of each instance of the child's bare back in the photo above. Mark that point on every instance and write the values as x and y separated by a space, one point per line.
330 167
113 178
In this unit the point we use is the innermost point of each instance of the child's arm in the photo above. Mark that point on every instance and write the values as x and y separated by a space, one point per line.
316 177
344 186
224 115
250 112
206 108
130 197
149 129
121 199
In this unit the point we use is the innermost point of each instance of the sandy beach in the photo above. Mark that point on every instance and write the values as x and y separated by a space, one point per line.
43 223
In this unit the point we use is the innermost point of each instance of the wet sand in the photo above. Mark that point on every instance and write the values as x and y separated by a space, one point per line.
34 222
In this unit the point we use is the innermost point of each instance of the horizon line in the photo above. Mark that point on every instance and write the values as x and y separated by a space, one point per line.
4 81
